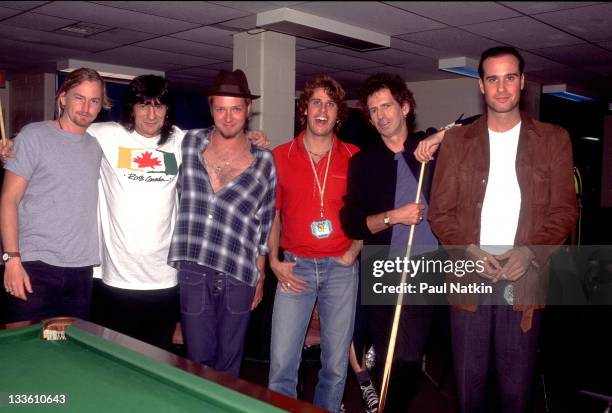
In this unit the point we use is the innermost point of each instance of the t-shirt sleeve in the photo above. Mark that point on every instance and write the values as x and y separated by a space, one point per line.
279 190
26 151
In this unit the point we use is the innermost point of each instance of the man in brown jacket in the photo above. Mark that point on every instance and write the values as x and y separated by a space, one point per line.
502 188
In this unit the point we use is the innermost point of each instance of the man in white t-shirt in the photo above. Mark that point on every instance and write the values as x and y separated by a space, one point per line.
503 187
138 294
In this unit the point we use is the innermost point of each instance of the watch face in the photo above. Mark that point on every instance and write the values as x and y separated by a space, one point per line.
5 257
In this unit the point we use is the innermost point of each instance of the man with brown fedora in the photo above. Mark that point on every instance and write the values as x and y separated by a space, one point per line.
226 207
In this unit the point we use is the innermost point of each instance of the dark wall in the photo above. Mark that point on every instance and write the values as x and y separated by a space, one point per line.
581 120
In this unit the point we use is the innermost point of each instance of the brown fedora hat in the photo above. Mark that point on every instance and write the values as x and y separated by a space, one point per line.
231 84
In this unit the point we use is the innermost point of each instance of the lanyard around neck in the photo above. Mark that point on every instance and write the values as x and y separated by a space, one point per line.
320 187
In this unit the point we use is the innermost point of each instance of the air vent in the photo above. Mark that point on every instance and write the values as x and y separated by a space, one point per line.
83 29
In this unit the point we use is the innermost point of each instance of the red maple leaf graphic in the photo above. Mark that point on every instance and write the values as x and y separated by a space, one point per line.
146 160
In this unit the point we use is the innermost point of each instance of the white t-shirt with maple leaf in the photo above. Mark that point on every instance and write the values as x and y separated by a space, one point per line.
136 207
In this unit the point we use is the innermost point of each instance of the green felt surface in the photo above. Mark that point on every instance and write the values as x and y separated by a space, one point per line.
100 376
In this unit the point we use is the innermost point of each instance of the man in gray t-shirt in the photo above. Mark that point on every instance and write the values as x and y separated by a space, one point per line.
48 207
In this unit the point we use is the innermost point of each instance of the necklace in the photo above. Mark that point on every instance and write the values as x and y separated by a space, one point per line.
318 155
221 163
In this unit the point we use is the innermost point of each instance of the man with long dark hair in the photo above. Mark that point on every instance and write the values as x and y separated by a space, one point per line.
138 293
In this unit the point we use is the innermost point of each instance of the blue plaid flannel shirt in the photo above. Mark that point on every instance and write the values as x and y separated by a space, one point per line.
226 230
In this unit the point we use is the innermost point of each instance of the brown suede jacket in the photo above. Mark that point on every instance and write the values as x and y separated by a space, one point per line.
548 213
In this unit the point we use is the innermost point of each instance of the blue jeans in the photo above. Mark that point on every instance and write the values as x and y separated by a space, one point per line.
334 286
58 291
215 312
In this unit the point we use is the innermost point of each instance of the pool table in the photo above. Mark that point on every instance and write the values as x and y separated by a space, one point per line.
100 370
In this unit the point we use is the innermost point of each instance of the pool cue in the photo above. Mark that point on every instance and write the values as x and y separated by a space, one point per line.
398 307
2 133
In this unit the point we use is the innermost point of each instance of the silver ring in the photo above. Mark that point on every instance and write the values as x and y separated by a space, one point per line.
503 276
288 285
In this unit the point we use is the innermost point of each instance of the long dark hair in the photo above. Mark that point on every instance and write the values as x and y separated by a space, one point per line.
149 89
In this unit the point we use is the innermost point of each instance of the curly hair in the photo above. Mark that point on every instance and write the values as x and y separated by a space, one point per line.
398 89
333 89
146 89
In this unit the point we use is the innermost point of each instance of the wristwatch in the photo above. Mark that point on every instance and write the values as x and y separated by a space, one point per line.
386 220
8 255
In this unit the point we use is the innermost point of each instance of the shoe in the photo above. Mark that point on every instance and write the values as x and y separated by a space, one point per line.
370 358
370 398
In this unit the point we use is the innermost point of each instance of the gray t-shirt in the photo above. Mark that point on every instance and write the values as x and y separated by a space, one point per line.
57 215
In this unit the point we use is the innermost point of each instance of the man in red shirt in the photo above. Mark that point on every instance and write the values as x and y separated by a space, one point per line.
319 259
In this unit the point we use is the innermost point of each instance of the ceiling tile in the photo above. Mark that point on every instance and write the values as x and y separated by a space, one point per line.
370 15
385 56
253 6
307 69
53 39
22 5
113 17
210 35
171 44
189 11
410 74
349 77
221 66
154 59
535 63
604 70
36 51
577 55
416 49
122 36
38 22
533 7
523 32
452 41
457 13
243 23
590 23
607 45
4 13
332 59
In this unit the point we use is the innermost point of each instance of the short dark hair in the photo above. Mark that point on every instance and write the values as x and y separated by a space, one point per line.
398 89
74 79
149 89
497 52
333 89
